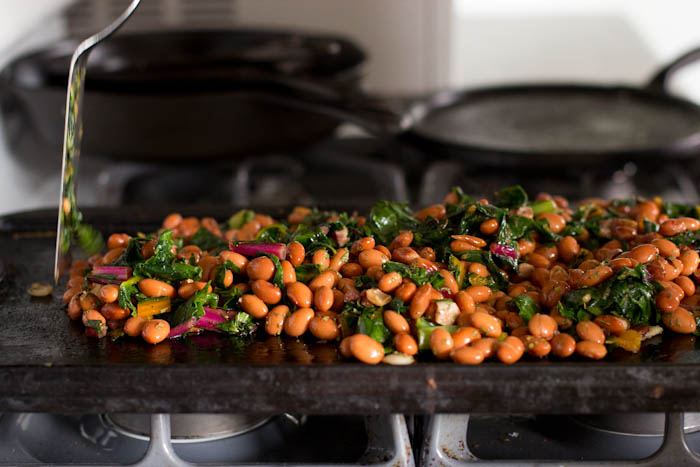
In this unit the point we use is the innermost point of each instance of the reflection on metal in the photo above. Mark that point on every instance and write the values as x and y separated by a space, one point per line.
68 215
388 444
187 428
637 424
446 445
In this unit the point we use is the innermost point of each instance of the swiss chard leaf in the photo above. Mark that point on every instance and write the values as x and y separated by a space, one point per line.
365 282
173 272
686 238
220 273
240 219
306 272
462 198
127 291
275 233
398 306
162 264
241 325
417 274
486 258
277 279
526 306
87 238
312 238
207 240
228 298
132 254
425 328
371 323
387 219
650 227
629 293
194 306
679 210
506 237
511 197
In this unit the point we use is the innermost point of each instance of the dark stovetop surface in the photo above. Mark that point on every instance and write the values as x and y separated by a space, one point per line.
48 364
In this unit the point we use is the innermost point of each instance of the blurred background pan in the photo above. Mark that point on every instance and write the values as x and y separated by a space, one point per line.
561 125
185 95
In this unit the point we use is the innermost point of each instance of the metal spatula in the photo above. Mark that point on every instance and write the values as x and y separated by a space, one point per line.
69 217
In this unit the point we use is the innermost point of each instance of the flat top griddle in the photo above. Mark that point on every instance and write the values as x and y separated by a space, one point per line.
48 364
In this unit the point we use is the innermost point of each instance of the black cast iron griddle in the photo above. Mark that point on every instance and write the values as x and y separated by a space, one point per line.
48 364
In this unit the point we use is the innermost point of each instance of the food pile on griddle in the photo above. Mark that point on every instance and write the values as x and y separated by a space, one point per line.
466 280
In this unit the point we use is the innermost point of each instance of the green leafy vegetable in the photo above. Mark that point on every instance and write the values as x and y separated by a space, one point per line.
228 298
365 282
511 197
398 306
240 219
486 258
525 306
387 219
417 274
162 264
371 323
277 279
540 207
207 240
312 238
194 306
629 293
241 325
127 291
425 328
679 210
132 254
274 233
88 239
306 272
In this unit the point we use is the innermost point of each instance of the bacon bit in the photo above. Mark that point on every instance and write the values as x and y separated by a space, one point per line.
341 236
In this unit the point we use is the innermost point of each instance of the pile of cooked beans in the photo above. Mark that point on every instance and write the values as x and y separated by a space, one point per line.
467 321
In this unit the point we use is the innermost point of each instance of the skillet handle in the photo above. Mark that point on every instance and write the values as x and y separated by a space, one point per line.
375 115
659 81
372 114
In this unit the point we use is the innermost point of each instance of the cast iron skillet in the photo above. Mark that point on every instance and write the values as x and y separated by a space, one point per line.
185 95
547 124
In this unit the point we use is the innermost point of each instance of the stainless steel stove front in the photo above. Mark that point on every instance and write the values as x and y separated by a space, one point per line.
448 443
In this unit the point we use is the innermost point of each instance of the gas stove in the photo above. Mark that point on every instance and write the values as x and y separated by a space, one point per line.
355 172
393 440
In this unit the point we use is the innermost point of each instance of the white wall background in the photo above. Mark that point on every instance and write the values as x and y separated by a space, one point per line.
604 41
417 46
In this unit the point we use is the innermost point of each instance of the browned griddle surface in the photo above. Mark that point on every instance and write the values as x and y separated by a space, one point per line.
48 364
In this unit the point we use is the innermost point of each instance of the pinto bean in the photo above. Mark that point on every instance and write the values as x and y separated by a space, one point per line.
405 343
595 276
441 343
467 355
563 345
489 325
614 325
396 323
690 260
589 331
420 301
366 349
266 292
590 349
541 325
510 350
680 320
